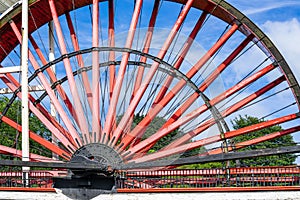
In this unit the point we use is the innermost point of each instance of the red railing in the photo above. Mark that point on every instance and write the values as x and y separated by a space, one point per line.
37 179
263 178
205 178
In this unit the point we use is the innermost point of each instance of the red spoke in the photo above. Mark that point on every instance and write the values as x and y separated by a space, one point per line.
227 112
71 147
149 142
75 43
95 72
228 135
18 153
9 79
143 59
181 57
209 80
49 145
267 137
53 79
139 130
111 43
49 90
177 65
79 111
118 85
258 140
118 132
112 54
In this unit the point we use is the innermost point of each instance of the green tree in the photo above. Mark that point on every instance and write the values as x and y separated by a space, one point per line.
10 137
274 160
152 128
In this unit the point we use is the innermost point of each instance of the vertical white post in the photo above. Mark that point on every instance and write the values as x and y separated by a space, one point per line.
25 112
51 58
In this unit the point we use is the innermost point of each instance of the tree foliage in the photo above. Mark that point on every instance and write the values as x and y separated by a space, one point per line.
10 137
152 128
274 160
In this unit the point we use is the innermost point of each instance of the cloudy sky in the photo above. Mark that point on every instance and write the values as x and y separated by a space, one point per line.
280 20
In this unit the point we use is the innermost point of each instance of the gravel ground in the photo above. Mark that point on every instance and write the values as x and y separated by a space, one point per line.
295 195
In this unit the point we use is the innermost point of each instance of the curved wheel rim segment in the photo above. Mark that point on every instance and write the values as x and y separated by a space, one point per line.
152 80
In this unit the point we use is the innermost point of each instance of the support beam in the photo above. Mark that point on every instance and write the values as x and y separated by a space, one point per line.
34 88
25 110
13 69
51 56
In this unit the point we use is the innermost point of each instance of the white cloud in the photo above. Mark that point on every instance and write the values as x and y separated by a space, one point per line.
285 36
268 7
258 7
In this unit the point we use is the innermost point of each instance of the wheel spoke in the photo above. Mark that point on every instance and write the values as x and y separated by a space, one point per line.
157 108
52 147
149 76
49 91
79 111
67 143
79 60
115 96
227 112
168 127
143 81
18 153
196 144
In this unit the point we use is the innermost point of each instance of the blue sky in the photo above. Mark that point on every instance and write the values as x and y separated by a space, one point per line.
280 20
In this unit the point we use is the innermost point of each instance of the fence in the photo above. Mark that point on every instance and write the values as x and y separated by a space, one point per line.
204 178
38 179
174 178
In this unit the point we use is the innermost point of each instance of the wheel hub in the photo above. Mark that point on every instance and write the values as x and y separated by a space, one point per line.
99 153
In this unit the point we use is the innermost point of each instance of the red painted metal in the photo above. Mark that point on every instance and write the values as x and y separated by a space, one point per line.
188 136
213 189
53 78
95 72
112 54
9 79
181 57
26 189
129 112
79 110
267 137
47 87
49 145
118 84
209 80
156 109
146 144
217 171
76 47
143 59
18 153
169 79
43 118
192 145
203 87
60 90
111 43
227 112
